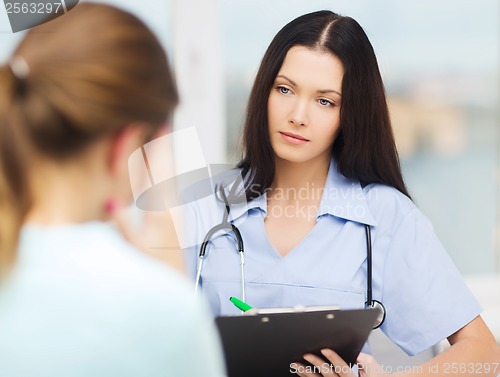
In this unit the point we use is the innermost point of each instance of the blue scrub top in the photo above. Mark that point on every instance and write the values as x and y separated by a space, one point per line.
424 295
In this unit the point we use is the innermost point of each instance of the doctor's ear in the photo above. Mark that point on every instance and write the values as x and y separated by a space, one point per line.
123 143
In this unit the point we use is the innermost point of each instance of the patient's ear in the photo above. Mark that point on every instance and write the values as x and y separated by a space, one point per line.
123 144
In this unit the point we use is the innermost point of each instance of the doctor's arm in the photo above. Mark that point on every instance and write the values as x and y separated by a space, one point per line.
473 351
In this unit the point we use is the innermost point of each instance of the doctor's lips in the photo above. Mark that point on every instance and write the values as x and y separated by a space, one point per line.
293 138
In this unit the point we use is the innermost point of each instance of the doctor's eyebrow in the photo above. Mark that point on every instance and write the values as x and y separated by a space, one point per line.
322 91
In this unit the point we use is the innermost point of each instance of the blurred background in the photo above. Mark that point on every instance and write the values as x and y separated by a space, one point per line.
440 62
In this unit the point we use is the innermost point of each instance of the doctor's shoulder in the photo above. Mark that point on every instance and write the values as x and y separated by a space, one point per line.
388 206
402 230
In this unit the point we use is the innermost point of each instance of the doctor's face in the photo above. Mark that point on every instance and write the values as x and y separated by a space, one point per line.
304 105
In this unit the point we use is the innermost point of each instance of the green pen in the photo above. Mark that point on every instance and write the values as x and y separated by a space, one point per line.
240 304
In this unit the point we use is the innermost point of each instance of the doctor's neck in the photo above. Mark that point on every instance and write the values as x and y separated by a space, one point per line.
290 174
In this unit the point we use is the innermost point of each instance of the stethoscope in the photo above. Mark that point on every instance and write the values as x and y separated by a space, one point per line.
226 225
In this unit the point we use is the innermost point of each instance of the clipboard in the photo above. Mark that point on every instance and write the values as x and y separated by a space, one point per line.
265 344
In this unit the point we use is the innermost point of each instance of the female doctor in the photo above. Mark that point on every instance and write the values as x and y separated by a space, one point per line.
323 185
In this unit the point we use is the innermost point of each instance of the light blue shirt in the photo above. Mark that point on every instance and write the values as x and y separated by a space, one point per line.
424 295
82 302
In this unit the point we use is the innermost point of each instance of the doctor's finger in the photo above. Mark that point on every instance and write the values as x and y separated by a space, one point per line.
319 367
341 368
368 366
303 370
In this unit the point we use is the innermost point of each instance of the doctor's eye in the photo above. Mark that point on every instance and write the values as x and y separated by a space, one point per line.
283 89
325 102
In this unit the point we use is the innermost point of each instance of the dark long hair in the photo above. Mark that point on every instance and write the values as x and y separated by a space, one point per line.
364 148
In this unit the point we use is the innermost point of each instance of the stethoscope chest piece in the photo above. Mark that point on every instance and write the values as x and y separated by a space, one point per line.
381 312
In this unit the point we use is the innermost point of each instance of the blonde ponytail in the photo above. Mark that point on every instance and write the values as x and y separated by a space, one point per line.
70 81
14 195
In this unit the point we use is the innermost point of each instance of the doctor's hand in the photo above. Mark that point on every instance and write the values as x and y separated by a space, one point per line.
367 366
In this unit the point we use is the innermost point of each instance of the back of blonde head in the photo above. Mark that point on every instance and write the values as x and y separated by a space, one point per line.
71 81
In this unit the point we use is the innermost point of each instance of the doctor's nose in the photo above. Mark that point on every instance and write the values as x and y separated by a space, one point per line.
299 116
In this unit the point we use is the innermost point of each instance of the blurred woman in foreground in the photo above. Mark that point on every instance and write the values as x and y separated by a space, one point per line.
78 96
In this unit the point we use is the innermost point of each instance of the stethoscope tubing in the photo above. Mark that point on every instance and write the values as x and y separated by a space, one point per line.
204 246
224 225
